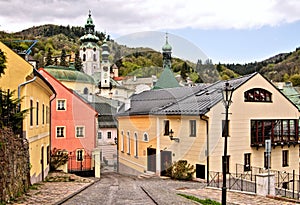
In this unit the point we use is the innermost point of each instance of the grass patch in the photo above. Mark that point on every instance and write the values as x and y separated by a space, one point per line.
202 201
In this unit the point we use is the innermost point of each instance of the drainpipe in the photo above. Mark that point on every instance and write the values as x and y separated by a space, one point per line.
207 147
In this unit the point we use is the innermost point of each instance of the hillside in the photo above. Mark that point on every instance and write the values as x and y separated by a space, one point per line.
144 62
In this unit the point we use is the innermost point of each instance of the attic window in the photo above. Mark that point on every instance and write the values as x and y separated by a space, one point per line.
257 95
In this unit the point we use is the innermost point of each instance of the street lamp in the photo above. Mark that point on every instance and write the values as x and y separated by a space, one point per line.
171 132
226 94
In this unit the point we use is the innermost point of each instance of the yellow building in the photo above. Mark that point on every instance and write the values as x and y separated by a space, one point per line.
36 92
162 126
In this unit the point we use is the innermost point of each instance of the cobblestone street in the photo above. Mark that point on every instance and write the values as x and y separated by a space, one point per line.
116 189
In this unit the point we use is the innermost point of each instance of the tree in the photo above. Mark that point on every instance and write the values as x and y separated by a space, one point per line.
63 57
10 115
78 62
184 70
49 60
2 62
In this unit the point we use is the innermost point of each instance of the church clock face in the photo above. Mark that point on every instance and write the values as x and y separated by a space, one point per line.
105 68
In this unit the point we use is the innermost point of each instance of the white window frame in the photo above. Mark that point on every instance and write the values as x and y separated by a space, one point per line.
128 142
99 134
144 139
58 105
110 134
135 144
64 132
122 141
79 131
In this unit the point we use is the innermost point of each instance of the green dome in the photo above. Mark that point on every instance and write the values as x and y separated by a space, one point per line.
167 47
70 74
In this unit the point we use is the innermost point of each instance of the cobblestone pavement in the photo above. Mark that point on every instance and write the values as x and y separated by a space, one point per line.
116 189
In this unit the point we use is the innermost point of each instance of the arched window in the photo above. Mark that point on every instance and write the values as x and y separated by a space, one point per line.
135 144
85 91
95 57
146 137
128 142
257 95
83 57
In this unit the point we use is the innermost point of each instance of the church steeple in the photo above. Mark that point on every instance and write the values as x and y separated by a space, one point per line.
166 79
89 26
167 51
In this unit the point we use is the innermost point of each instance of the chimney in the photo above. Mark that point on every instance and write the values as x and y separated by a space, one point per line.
127 104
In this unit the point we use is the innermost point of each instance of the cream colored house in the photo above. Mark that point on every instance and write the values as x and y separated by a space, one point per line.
195 115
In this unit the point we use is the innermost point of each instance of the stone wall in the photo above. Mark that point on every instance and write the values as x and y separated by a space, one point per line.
15 167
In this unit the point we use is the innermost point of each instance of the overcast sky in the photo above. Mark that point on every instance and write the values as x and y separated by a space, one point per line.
236 31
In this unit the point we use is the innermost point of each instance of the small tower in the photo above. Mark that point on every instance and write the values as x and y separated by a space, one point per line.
105 67
166 79
90 51
167 51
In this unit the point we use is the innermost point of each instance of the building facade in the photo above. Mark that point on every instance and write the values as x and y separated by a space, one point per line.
36 94
74 126
159 127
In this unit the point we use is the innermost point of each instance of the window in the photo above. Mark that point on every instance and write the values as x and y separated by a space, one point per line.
266 160
43 114
285 158
108 135
79 154
47 115
80 131
135 144
86 91
61 105
257 95
37 113
167 127
83 57
128 143
193 128
247 162
146 138
60 131
99 135
279 131
122 141
95 57
31 113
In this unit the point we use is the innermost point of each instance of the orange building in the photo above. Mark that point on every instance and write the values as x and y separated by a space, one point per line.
74 126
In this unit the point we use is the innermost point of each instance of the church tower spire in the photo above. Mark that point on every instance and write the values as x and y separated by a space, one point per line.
90 50
167 51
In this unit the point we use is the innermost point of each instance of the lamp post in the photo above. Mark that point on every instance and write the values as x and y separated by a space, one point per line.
226 94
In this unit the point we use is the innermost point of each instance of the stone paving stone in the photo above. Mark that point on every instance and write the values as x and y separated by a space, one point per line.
50 192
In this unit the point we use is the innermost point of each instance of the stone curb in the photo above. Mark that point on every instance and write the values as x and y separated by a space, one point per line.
75 193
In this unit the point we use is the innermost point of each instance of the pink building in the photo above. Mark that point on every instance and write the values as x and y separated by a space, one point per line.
73 126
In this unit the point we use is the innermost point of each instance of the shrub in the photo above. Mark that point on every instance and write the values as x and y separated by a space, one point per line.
181 170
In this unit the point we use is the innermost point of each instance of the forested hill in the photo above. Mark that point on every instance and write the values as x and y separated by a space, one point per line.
144 62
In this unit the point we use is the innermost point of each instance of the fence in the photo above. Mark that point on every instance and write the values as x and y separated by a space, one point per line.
239 182
286 184
80 165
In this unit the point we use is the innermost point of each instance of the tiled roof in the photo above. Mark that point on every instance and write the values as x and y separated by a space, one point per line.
183 100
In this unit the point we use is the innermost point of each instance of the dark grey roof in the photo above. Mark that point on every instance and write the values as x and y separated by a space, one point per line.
104 108
202 101
182 100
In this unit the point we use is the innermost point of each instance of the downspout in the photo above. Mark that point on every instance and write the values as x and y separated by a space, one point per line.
207 147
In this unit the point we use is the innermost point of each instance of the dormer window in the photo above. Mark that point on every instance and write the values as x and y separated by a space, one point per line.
257 95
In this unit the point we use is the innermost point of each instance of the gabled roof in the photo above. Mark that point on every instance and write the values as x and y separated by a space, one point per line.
183 100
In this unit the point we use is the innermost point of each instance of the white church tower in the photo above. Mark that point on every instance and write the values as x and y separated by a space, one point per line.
90 51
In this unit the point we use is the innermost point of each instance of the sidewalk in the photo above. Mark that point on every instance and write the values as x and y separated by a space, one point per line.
237 198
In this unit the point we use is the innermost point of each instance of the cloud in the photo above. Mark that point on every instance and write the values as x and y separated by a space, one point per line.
124 17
